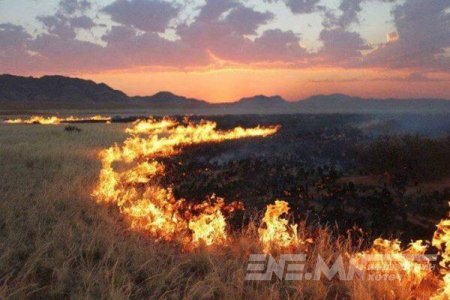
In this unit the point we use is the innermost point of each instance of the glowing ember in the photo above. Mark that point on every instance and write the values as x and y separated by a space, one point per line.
134 187
56 120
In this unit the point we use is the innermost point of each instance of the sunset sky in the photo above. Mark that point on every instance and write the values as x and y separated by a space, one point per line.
221 50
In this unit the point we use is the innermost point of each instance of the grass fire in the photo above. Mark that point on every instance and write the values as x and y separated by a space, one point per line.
54 120
177 207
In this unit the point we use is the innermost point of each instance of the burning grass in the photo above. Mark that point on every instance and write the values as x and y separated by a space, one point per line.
141 242
54 120
151 207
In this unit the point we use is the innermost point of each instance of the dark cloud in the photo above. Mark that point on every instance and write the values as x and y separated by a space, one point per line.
300 6
350 10
246 20
65 21
146 15
82 22
13 40
278 45
73 6
65 27
58 25
340 45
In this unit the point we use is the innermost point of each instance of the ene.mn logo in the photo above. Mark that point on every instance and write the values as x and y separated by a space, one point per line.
263 267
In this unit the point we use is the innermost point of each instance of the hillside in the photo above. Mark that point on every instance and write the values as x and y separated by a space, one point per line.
57 92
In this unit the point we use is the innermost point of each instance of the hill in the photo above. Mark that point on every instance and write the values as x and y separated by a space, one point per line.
339 103
167 100
59 92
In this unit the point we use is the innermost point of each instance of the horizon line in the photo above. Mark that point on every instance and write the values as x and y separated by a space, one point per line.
230 101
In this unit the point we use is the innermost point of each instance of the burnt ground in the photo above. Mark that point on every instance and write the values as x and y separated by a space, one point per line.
331 169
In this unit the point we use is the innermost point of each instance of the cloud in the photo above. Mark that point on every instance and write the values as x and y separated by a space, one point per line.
246 20
340 45
214 8
221 29
350 10
68 55
349 13
412 77
14 56
300 6
72 6
58 25
146 15
278 45
13 45
417 76
423 35
126 46
225 32
65 21
83 22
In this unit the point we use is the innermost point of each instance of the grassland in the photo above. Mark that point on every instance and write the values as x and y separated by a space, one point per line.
56 242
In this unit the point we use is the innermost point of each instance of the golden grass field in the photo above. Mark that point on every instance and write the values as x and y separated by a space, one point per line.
57 242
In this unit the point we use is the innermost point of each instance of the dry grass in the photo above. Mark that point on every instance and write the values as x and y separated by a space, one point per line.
56 242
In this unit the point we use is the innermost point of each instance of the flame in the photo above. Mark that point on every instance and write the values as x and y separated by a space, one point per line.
151 126
276 231
386 257
53 120
441 240
133 184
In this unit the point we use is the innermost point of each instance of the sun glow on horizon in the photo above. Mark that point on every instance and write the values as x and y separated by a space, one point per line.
230 84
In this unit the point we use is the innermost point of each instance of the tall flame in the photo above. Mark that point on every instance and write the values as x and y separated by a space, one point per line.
276 230
133 184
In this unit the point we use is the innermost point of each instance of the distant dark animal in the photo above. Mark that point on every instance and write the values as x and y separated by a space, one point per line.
71 128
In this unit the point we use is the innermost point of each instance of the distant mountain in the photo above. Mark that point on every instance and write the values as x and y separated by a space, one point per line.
256 104
261 100
57 92
339 103
167 100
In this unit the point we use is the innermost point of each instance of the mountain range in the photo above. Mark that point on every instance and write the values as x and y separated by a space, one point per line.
59 92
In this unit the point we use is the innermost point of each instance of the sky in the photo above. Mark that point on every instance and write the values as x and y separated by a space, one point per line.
222 50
